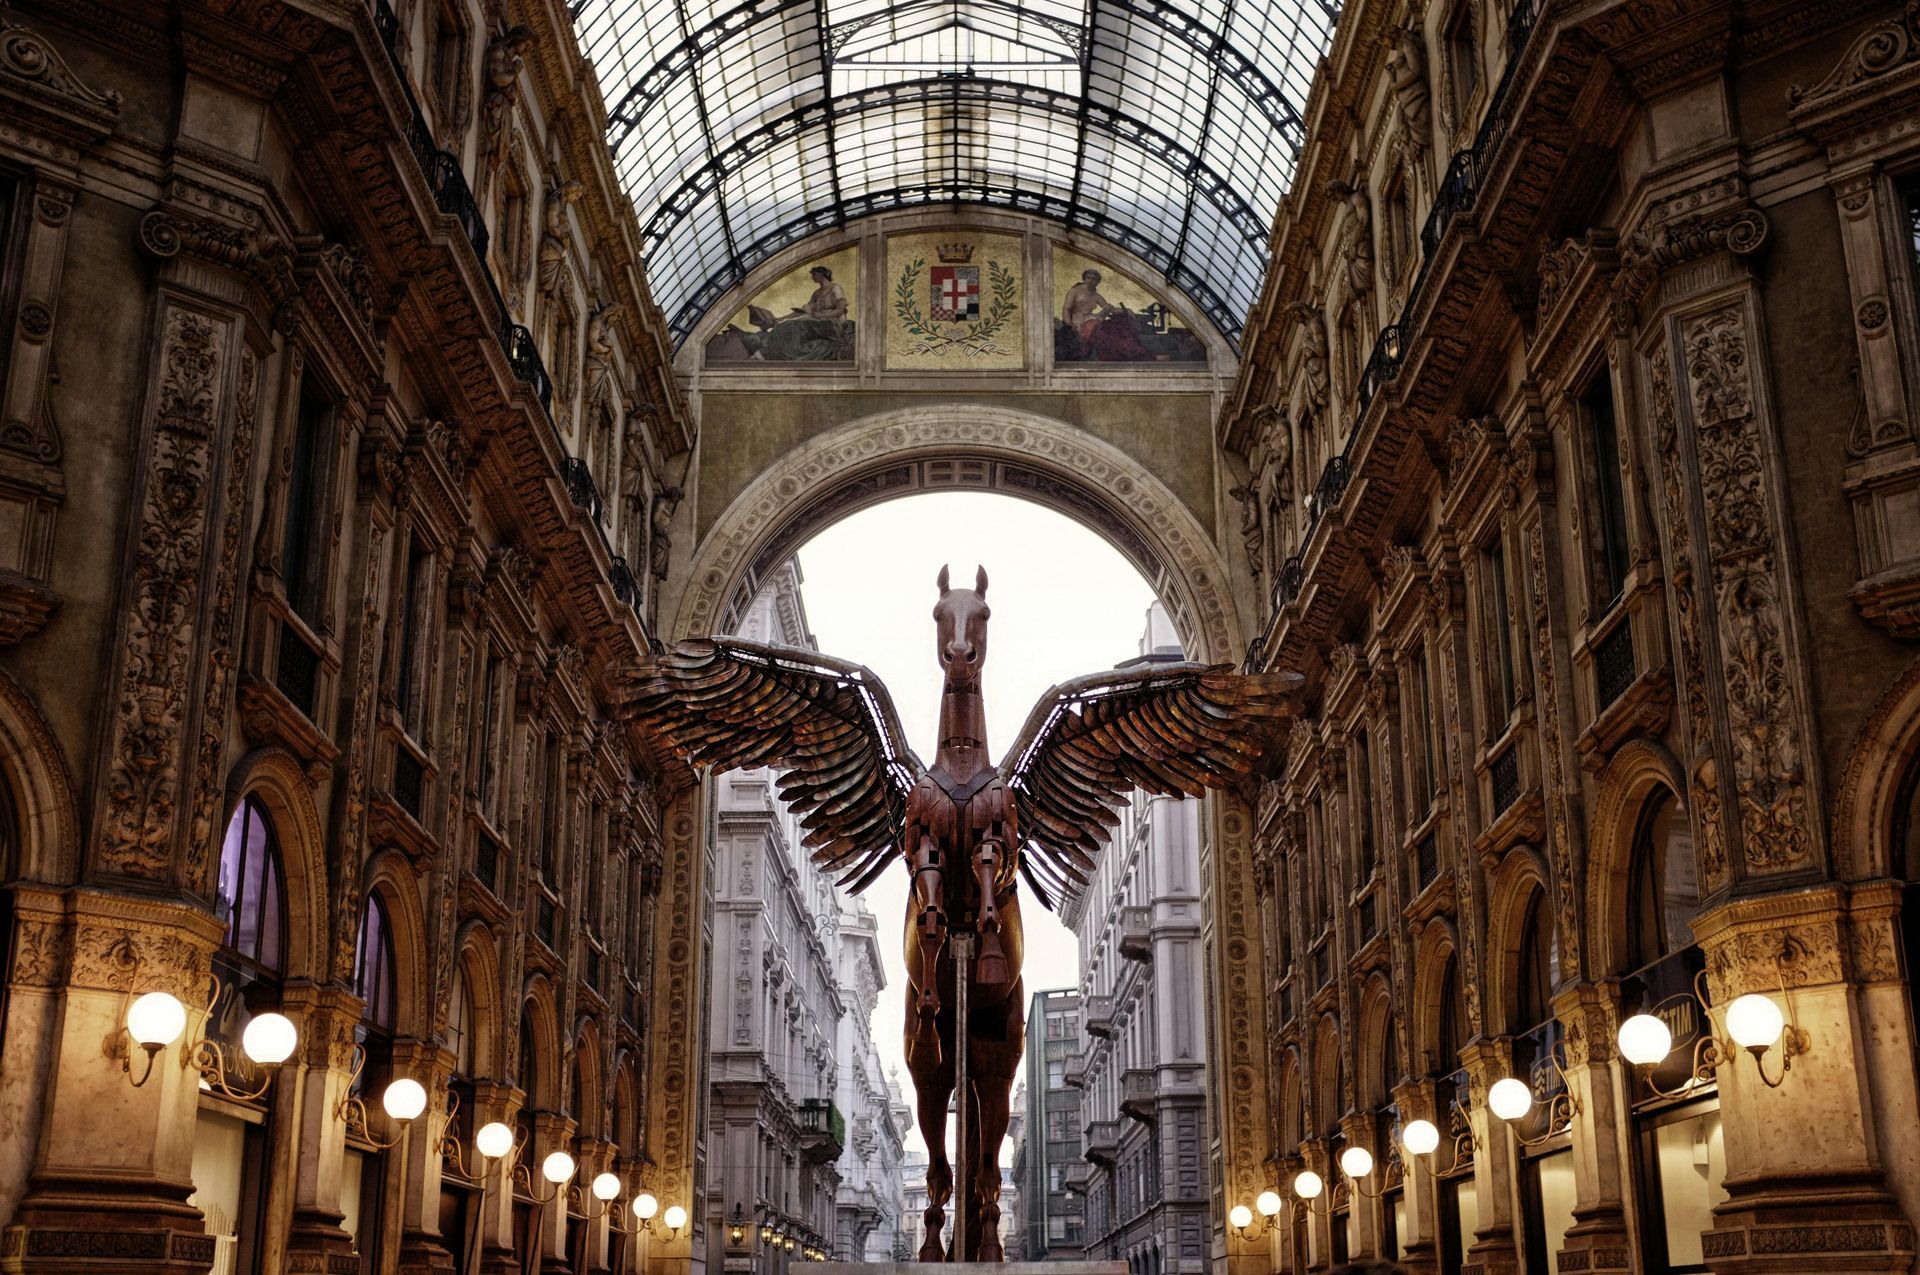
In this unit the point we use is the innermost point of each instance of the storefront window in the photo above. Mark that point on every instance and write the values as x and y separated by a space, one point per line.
1549 1187
1686 1168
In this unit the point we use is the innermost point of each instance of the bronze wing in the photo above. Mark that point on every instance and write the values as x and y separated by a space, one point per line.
827 725
1172 729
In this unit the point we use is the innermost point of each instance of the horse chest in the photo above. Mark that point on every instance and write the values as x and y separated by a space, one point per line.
960 812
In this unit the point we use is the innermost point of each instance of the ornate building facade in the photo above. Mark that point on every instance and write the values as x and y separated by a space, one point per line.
339 423
776 1135
1052 1176
1578 410
869 1223
1142 1075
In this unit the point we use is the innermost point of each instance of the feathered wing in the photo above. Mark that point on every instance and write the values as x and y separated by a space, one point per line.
1171 729
827 725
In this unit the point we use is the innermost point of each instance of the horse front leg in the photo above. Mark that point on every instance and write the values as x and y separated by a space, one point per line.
990 967
933 936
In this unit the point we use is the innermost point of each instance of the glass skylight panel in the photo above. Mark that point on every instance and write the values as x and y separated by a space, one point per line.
1189 140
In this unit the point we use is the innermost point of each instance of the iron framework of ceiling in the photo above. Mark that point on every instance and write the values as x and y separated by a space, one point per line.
1169 127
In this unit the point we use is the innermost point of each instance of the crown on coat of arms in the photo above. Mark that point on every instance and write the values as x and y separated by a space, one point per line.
954 254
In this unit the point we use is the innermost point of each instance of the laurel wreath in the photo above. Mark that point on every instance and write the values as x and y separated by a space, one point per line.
971 339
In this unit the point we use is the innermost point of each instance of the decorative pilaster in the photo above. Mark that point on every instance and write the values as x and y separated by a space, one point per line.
111 1173
1495 1249
1597 1241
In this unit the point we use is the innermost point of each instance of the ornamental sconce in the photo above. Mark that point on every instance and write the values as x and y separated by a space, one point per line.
1753 1023
494 1141
1512 1100
1421 1138
1269 1203
157 1019
646 1208
1357 1164
403 1100
737 1228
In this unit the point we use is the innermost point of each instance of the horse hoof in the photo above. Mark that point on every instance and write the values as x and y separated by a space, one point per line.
990 970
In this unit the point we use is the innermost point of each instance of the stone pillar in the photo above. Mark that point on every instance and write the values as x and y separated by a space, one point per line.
1803 1158
493 1101
597 1157
111 1174
417 1160
552 1133
1591 1014
310 1136
1419 1246
1363 1209
1494 1250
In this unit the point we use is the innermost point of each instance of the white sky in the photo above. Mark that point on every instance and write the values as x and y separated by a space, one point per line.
1064 603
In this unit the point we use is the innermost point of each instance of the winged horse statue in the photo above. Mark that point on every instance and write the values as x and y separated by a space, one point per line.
966 828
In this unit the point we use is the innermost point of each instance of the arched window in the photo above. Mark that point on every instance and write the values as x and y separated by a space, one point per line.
1451 1033
1536 967
373 977
460 1024
1665 885
250 894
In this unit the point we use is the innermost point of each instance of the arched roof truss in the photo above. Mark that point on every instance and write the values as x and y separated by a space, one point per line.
1170 127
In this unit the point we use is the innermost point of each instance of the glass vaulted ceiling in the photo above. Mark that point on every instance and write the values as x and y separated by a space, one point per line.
1168 126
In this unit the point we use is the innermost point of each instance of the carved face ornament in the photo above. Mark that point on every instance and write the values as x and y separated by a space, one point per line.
960 626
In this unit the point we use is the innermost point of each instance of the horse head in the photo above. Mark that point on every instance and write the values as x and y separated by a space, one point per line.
960 625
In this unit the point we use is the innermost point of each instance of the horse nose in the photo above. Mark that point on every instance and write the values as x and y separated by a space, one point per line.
960 651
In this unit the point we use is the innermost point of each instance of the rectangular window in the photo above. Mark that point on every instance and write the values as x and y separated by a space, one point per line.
550 796
1910 202
489 741
1420 735
1502 679
1686 1162
305 502
410 693
1610 515
1362 790
1463 61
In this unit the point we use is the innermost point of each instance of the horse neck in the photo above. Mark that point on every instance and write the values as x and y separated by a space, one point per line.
963 730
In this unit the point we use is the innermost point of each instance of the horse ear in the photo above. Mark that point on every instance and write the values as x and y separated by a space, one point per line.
942 582
980 581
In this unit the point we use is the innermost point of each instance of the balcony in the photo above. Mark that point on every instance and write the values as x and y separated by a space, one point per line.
1103 1142
823 1130
1139 1086
1136 938
1097 1013
1079 1176
1075 1075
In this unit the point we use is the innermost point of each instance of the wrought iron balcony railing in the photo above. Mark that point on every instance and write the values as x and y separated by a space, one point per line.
580 488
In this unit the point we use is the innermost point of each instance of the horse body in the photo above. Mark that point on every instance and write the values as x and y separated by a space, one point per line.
962 843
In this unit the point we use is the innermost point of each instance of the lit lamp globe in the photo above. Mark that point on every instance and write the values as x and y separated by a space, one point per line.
645 1206
269 1039
1510 1098
1241 1216
156 1020
1268 1203
1308 1185
404 1099
606 1186
676 1217
1356 1162
557 1168
1644 1040
1421 1137
494 1140
1754 1021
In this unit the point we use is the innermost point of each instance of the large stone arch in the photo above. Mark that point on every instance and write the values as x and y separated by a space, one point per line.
928 448
1520 880
1863 809
35 769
